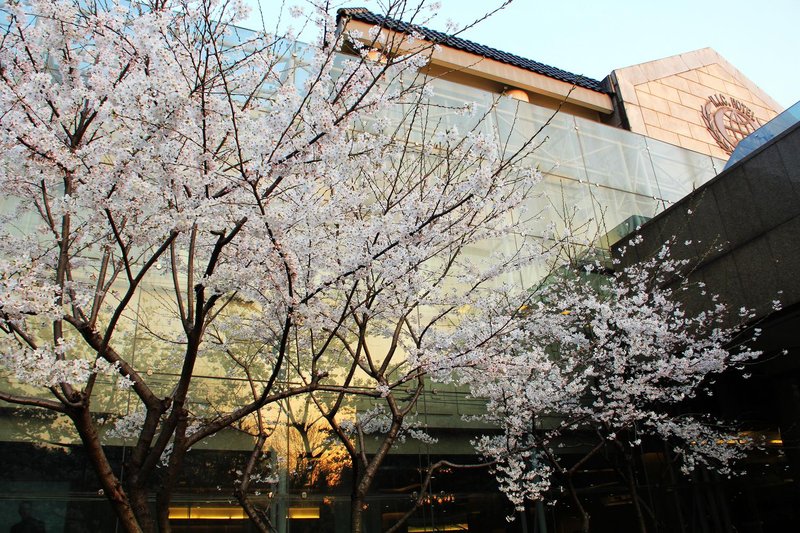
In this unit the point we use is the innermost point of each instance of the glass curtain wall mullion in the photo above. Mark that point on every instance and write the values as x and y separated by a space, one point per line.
678 171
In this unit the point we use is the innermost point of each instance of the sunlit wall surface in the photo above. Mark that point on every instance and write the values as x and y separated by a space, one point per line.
596 176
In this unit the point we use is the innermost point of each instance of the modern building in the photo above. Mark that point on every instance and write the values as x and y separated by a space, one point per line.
618 152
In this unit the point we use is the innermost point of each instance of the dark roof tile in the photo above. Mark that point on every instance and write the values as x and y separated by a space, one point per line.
364 15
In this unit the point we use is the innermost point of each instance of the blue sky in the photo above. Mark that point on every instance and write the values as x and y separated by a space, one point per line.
760 38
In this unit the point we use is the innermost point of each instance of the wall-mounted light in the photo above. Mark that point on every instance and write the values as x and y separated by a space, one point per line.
377 56
518 94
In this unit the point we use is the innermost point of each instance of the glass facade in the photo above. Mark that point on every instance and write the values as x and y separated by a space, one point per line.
596 175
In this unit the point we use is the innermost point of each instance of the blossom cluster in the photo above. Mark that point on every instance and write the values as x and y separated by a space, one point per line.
611 355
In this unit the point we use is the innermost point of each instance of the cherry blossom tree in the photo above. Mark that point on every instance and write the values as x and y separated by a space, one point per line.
609 357
183 197
180 199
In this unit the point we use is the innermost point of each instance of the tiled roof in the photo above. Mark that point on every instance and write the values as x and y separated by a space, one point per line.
364 15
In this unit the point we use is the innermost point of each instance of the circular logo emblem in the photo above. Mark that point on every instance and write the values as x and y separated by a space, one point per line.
728 120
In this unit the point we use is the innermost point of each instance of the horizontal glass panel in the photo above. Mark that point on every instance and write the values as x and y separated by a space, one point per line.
564 204
619 213
616 158
678 171
553 150
446 110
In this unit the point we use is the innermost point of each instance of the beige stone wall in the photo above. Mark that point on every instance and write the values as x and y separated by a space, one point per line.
663 99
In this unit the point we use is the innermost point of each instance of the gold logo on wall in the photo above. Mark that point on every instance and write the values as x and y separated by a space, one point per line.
728 120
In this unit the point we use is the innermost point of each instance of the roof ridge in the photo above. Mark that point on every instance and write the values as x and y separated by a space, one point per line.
365 15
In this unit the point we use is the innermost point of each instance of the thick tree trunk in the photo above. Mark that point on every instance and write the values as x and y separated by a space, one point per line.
170 477
141 507
163 499
578 506
258 518
364 476
112 488
357 513
635 495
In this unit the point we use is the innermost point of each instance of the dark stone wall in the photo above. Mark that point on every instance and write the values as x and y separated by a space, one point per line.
742 230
